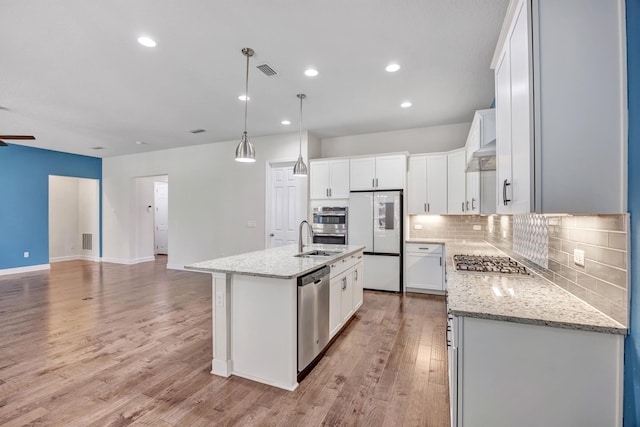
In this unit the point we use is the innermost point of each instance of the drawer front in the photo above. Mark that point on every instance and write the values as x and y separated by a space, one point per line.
425 248
342 265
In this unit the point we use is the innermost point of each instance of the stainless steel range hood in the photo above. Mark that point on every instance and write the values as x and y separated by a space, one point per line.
483 159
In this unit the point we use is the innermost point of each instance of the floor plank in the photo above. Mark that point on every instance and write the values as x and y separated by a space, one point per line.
115 345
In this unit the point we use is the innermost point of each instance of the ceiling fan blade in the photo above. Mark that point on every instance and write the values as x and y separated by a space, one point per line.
22 137
3 144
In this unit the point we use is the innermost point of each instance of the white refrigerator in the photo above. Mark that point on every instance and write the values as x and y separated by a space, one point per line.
375 221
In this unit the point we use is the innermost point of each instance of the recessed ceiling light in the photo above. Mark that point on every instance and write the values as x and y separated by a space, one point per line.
244 98
406 104
311 72
392 68
141 143
286 122
146 41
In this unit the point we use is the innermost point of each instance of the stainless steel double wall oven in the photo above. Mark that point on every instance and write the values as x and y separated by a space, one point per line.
330 225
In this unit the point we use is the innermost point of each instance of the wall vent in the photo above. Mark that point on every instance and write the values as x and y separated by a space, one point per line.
267 70
197 131
87 241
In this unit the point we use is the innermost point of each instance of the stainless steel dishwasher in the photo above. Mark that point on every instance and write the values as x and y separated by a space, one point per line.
313 315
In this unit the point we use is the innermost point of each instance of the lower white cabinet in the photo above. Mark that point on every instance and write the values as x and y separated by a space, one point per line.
424 267
509 374
345 291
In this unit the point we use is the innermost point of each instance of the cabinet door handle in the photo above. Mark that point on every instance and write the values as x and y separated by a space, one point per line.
425 207
376 182
473 203
426 249
440 261
373 183
462 206
356 274
330 193
504 192
344 283
467 205
428 207
326 191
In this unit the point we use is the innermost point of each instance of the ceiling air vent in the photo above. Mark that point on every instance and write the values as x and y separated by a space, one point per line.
197 131
267 70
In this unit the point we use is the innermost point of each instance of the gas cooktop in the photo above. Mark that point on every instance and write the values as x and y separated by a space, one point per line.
489 264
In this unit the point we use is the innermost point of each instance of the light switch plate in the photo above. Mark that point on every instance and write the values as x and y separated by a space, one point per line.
417 226
578 257
26 254
219 299
251 223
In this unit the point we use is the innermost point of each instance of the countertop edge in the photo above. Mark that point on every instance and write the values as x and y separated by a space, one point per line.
541 322
324 262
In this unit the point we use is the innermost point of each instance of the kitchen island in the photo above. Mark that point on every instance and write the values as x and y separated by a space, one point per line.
522 348
255 303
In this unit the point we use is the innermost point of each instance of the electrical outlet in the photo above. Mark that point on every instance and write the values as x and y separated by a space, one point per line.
26 254
477 228
251 223
417 226
219 299
578 257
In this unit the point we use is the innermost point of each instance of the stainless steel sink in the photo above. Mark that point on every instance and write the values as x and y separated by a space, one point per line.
317 253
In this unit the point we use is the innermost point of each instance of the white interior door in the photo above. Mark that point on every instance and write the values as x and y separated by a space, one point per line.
286 206
161 217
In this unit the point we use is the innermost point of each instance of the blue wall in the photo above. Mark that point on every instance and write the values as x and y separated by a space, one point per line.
24 199
632 344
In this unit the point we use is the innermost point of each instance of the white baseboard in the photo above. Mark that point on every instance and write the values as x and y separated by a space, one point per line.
64 258
74 258
128 261
26 269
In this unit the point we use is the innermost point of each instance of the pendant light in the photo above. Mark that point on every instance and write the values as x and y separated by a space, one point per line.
244 150
300 169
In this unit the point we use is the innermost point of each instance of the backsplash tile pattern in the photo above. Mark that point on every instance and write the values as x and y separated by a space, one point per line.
531 238
457 227
603 281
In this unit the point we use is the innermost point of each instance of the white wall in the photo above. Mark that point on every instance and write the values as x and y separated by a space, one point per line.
420 140
212 198
73 210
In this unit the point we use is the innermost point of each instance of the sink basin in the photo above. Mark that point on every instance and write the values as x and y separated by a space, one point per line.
317 253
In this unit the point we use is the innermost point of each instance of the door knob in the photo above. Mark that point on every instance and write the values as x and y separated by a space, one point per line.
271 235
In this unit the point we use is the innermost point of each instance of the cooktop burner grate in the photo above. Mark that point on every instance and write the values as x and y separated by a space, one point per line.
489 264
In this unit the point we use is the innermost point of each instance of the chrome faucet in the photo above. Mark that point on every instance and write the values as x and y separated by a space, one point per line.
300 245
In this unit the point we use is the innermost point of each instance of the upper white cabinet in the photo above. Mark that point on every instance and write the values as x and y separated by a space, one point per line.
456 182
560 72
386 172
427 184
329 179
481 133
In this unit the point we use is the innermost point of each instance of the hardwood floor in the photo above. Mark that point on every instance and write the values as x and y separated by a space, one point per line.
114 345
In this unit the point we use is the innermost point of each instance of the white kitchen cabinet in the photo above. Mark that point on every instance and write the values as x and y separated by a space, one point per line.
424 267
427 184
544 375
386 172
561 107
472 202
456 182
329 179
345 291
358 282
481 132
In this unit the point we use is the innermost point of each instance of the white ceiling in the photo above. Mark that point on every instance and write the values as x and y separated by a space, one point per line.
73 75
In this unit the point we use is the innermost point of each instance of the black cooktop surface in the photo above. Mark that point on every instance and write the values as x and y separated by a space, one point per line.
489 264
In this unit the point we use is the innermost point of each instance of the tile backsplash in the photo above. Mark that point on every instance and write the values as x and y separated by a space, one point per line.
457 227
545 244
602 282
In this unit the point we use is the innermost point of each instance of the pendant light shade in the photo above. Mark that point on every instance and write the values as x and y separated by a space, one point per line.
244 150
300 169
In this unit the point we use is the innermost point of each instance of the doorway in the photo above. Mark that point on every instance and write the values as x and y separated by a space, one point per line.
151 213
285 204
74 218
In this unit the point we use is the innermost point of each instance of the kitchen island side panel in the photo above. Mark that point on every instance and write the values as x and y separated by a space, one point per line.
264 330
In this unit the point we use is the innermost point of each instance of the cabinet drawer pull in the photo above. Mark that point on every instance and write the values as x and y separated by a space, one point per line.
462 206
473 204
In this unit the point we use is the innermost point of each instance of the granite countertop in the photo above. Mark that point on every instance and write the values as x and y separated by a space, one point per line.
279 263
532 299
